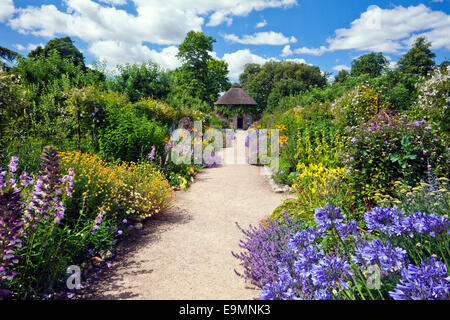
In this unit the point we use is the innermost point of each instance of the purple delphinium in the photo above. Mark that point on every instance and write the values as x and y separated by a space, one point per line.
386 220
388 257
26 180
45 200
152 154
69 179
11 223
328 217
430 281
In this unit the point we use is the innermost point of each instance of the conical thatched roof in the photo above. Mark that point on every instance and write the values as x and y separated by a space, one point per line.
236 96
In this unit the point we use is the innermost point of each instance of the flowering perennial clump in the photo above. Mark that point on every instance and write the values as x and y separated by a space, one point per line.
331 258
391 221
22 208
429 281
11 223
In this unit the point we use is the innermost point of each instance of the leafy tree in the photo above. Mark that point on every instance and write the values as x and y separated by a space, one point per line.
274 80
251 70
418 60
397 87
372 64
200 77
64 47
342 76
217 79
142 80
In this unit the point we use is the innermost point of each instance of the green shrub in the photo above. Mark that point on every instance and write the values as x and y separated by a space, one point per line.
390 148
129 137
433 103
357 106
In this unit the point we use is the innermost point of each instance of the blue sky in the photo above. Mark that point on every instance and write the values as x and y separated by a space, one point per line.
327 33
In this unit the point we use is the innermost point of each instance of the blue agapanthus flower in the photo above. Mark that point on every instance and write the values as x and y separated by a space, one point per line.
430 281
436 225
386 220
328 217
331 272
302 239
384 254
307 258
348 228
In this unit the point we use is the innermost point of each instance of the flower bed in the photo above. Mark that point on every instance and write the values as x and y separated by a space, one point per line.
51 221
391 255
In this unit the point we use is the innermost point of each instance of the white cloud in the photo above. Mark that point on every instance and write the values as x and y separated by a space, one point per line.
341 67
6 9
287 51
29 47
224 10
261 24
116 52
237 61
91 22
114 2
20 47
388 31
118 36
259 38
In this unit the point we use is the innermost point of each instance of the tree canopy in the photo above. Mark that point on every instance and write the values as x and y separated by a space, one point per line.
138 81
419 59
200 77
267 84
372 64
64 47
342 76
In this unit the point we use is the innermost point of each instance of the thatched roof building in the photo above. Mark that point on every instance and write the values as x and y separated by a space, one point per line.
236 96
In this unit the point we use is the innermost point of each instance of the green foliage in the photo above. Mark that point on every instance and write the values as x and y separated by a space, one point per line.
269 83
433 101
12 105
128 137
314 96
294 123
419 59
64 47
200 77
393 148
342 76
138 81
372 64
357 106
398 88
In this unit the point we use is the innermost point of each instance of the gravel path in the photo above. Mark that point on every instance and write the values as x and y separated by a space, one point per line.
186 252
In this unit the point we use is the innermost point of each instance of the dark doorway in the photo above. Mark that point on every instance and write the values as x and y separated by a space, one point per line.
240 123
